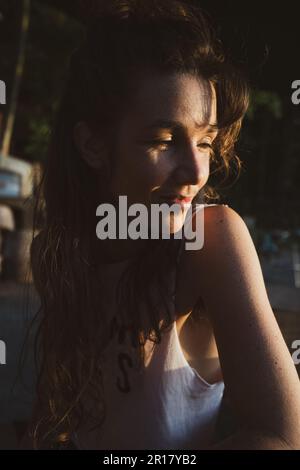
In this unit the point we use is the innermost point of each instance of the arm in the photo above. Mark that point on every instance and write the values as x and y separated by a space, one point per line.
257 367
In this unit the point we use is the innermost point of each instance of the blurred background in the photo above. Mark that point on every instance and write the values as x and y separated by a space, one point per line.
36 38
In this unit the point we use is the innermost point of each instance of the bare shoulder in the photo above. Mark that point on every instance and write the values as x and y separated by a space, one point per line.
198 268
225 229
223 222
228 254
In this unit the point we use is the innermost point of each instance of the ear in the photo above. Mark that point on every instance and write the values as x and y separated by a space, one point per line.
90 146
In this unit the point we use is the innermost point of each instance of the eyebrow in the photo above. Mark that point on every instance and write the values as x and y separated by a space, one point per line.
167 124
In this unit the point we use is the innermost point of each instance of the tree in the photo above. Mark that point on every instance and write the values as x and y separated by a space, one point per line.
17 80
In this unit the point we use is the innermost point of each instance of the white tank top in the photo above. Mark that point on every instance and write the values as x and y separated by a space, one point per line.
168 405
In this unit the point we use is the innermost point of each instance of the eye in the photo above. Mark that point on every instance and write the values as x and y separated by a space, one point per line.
205 145
161 144
164 145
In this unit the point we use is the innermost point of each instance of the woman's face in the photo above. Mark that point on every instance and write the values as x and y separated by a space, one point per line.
163 146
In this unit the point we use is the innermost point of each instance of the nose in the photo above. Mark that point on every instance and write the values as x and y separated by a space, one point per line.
192 166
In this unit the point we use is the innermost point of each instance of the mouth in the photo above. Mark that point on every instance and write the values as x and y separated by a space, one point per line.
176 199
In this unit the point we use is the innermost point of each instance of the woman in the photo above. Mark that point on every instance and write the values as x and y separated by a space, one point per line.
137 337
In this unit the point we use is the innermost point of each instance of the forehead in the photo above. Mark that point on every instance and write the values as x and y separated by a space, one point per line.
180 97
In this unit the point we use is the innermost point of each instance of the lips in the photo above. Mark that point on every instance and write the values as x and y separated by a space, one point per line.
176 198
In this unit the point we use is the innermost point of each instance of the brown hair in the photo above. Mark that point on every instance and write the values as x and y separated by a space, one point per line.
125 39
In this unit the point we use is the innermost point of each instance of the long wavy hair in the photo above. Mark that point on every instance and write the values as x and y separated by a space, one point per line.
124 40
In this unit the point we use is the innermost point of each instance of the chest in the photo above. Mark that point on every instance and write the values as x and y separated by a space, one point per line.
196 336
195 332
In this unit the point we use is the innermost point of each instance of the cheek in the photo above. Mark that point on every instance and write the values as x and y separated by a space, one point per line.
155 170
139 172
148 176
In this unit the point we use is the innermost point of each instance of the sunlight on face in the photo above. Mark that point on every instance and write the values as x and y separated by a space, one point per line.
165 142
